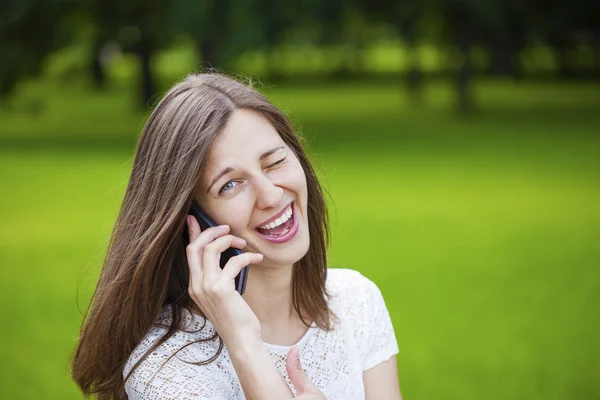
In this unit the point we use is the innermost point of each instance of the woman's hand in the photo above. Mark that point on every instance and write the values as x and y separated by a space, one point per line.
305 390
213 289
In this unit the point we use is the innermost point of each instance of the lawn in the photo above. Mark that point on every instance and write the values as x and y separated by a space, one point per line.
481 232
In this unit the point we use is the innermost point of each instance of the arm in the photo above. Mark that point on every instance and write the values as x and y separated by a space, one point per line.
380 372
180 378
255 370
213 290
381 381
261 380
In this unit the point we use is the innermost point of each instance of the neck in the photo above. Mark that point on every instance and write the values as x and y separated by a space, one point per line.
269 294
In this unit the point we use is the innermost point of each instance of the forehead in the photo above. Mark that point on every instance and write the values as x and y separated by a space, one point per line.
246 136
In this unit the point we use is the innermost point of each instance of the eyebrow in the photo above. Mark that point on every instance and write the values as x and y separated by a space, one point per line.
229 169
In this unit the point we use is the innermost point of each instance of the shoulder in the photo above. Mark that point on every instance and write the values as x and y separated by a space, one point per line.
350 290
360 305
194 329
342 281
172 360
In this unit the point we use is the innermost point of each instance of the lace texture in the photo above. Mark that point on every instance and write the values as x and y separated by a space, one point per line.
334 361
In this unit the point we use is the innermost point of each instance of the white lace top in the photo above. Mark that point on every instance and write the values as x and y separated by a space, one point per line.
334 361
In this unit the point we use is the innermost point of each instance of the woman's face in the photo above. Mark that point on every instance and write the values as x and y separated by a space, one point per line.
255 184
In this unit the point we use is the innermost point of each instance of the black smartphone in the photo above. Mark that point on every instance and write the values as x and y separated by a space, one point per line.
206 222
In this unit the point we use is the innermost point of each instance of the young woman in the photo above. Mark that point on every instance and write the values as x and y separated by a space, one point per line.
166 321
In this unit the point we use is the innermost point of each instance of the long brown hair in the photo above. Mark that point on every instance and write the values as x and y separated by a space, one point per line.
145 267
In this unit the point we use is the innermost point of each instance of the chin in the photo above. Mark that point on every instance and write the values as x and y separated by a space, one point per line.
286 255
290 258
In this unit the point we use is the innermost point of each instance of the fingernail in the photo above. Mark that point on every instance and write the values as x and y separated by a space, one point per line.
223 226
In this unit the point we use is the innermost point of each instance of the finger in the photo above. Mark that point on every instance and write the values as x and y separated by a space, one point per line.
200 237
297 375
235 264
193 227
212 255
198 240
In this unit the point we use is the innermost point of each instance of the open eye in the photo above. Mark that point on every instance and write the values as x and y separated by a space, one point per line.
228 186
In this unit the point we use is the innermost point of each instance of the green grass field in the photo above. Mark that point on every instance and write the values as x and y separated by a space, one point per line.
482 233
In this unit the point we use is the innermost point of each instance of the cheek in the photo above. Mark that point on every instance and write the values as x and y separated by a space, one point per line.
298 178
302 187
236 213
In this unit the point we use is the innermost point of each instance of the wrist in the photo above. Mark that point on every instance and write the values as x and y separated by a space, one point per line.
256 371
243 346
236 337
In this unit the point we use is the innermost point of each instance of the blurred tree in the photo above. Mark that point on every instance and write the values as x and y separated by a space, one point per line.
273 20
208 23
566 27
212 36
105 28
28 34
269 24
222 30
408 27
341 24
467 23
406 17
139 26
508 37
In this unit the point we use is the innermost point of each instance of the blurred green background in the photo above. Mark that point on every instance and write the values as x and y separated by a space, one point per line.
459 143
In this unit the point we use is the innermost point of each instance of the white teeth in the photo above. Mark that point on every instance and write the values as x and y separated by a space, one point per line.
282 219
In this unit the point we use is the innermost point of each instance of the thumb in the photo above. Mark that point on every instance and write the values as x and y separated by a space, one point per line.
297 375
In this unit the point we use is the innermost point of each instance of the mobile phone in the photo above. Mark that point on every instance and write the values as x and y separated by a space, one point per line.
206 222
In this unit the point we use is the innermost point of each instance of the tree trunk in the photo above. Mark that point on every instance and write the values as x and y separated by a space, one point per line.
272 70
464 75
414 77
503 58
209 49
211 41
98 74
147 89
507 45
596 50
564 67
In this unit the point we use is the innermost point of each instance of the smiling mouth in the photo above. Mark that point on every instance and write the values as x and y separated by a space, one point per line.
281 226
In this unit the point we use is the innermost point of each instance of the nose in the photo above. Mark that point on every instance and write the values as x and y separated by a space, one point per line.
267 193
